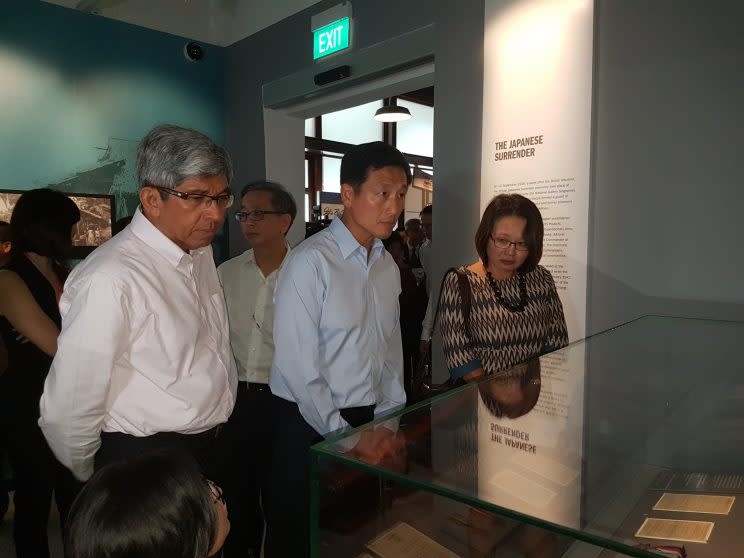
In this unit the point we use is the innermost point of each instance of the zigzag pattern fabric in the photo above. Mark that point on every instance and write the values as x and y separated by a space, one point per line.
496 338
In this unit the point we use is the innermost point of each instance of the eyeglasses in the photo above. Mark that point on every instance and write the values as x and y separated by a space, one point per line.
256 215
504 244
216 491
202 201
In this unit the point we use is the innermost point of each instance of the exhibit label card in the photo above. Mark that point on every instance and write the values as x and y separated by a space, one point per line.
404 540
675 530
695 503
699 482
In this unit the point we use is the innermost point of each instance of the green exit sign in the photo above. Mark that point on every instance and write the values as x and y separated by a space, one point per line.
331 38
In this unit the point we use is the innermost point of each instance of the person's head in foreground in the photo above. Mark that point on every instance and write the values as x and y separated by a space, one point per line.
156 505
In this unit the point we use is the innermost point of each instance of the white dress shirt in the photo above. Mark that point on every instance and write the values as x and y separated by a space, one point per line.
144 347
337 329
427 325
250 308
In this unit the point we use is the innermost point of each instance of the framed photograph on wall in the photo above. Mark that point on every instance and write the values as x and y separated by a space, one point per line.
97 215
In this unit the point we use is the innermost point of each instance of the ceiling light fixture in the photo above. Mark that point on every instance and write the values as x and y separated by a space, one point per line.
392 113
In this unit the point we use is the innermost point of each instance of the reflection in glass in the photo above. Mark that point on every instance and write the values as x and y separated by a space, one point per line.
581 446
530 438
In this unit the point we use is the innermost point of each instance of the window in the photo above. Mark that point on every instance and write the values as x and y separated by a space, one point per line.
331 174
353 125
416 136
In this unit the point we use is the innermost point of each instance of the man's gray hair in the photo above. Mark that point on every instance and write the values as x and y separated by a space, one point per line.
169 154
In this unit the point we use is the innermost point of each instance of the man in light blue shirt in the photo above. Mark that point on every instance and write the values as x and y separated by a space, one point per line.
338 358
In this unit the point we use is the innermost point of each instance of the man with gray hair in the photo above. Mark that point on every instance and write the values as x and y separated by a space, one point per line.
143 359
266 213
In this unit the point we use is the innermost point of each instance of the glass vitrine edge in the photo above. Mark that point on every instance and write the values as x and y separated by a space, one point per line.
584 536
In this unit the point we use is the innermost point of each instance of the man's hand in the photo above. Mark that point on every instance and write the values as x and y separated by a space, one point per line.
424 345
474 375
376 445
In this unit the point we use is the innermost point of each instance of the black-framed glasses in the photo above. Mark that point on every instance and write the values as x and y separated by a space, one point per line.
223 201
256 215
505 244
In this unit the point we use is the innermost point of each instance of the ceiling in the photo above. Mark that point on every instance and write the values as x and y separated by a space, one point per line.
218 22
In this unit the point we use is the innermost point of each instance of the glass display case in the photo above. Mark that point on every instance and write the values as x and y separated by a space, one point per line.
627 443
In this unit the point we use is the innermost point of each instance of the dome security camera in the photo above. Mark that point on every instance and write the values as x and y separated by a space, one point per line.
193 52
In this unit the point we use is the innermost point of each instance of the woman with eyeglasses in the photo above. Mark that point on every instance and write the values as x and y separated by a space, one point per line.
503 309
157 504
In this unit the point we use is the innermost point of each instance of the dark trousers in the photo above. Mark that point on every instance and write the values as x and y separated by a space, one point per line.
37 475
288 493
249 439
206 448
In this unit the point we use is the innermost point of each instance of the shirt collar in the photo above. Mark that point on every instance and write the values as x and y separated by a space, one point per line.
249 257
347 242
153 237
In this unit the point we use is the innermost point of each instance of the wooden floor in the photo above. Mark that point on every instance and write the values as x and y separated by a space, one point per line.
7 549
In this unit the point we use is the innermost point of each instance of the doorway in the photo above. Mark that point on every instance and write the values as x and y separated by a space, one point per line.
295 143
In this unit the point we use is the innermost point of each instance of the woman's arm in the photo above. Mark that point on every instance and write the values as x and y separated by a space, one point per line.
19 307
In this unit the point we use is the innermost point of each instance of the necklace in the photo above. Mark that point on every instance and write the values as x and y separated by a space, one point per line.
519 306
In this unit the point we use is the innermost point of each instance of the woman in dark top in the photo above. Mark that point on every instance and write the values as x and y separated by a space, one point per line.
503 309
30 286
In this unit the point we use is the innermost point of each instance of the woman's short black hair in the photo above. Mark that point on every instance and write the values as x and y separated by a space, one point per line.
42 222
4 231
151 506
516 205
373 155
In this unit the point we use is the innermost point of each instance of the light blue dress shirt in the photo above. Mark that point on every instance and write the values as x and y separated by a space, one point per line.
337 329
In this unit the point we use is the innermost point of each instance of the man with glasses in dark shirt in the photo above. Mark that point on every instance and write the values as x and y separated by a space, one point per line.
266 213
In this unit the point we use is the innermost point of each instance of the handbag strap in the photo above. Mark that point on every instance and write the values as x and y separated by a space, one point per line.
466 296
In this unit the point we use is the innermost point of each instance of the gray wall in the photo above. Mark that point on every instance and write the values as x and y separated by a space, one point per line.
457 118
666 231
665 236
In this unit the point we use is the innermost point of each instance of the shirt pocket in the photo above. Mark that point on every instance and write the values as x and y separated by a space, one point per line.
388 311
